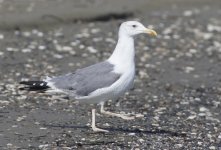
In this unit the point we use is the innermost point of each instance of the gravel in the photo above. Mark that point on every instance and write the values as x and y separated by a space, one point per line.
177 87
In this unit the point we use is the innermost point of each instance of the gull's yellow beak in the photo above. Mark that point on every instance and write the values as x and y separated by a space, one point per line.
150 32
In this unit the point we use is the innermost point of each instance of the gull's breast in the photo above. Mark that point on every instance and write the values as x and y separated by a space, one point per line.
124 83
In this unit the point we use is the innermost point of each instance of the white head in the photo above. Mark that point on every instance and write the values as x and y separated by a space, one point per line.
132 28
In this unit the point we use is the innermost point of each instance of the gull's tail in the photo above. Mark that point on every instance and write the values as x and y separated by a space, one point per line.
40 86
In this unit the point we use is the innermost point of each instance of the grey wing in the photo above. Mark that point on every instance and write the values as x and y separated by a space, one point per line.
85 81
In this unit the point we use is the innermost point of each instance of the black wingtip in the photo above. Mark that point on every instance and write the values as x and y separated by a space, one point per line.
34 85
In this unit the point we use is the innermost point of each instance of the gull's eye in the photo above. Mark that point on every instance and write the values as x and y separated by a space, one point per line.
134 26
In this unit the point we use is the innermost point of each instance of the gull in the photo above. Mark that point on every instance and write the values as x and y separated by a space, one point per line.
103 81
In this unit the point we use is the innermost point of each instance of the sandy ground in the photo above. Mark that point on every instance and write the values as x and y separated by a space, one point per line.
177 86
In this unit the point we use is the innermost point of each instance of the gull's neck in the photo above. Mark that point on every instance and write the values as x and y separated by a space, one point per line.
123 55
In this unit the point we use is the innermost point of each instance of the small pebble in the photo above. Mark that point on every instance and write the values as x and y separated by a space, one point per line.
192 117
189 69
91 49
203 109
132 134
1 36
212 147
26 50
187 13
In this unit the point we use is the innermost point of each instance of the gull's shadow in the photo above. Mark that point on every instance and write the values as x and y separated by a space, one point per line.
125 130
153 131
67 126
